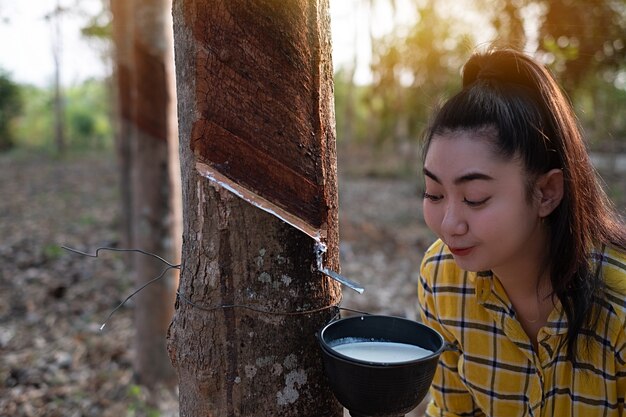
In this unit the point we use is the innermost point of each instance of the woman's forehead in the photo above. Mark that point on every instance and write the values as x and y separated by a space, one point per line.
455 154
464 142
485 132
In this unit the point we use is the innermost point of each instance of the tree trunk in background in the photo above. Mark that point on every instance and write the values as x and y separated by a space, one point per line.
59 102
509 25
152 189
123 71
247 346
349 116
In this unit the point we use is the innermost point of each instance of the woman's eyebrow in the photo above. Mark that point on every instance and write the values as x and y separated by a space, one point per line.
471 176
431 175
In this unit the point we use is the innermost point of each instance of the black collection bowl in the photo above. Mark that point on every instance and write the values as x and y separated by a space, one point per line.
379 389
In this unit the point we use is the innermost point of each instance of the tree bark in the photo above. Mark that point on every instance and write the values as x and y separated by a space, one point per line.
243 336
152 189
123 71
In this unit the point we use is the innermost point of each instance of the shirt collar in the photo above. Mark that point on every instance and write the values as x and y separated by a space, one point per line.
557 320
482 284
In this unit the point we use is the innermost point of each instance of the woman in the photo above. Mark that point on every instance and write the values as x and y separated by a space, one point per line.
528 277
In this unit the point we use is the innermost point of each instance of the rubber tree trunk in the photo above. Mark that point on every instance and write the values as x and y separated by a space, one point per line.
123 72
152 189
243 335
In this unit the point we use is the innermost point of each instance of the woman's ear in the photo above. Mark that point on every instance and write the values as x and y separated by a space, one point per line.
550 191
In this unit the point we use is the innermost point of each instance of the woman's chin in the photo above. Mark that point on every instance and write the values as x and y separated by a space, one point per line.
469 265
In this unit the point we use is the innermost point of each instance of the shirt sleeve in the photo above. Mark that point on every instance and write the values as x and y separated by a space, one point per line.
614 271
621 379
449 396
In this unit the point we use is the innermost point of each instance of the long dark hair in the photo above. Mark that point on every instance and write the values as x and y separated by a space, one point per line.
510 91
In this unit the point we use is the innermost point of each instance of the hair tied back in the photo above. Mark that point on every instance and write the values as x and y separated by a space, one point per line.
475 69
506 66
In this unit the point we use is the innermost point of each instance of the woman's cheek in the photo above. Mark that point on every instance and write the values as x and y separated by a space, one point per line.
431 217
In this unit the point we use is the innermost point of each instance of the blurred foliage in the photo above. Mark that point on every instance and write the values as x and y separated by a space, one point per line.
97 31
351 105
139 405
87 117
11 104
97 28
584 38
88 109
411 73
583 42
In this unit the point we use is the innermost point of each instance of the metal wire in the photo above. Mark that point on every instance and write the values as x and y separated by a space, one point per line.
185 299
97 253
121 250
135 292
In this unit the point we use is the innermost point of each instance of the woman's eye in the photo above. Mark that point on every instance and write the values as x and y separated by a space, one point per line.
431 197
472 203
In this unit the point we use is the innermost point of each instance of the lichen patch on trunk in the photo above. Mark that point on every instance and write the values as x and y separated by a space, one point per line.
294 379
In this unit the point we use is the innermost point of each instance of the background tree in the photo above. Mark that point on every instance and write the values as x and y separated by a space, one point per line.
122 37
154 124
144 125
507 21
59 103
254 84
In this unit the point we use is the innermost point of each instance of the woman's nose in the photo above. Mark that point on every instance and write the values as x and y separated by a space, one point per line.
454 223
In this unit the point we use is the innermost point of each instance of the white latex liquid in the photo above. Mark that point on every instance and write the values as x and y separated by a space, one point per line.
383 352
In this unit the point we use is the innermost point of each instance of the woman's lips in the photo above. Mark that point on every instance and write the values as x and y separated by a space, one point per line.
461 251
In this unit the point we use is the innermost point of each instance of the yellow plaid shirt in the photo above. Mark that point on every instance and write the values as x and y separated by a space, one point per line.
496 372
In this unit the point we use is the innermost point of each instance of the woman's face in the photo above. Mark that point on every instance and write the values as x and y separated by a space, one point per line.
476 202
